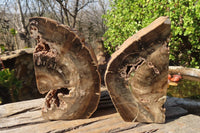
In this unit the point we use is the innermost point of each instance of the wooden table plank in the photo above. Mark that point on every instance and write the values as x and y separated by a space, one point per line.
26 116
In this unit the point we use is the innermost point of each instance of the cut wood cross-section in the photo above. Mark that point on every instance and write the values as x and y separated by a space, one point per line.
65 68
136 75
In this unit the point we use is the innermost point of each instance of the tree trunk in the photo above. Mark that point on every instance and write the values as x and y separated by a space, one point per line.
75 13
136 76
65 68
23 30
21 16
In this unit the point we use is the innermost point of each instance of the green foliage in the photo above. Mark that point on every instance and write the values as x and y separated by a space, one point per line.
13 32
10 82
2 49
126 17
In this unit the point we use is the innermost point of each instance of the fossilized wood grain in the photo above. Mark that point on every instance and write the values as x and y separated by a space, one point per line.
65 68
136 76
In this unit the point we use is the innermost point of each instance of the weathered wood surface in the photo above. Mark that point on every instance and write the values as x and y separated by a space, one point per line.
22 117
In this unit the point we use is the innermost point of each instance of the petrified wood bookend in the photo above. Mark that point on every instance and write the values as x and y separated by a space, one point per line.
136 76
65 68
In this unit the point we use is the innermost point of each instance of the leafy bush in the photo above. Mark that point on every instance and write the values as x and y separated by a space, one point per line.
126 17
10 85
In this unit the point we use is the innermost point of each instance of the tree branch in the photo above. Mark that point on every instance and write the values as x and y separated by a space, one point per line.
52 9
85 5
65 9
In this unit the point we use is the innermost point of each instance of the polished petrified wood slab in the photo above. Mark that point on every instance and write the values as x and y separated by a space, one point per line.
65 68
136 76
